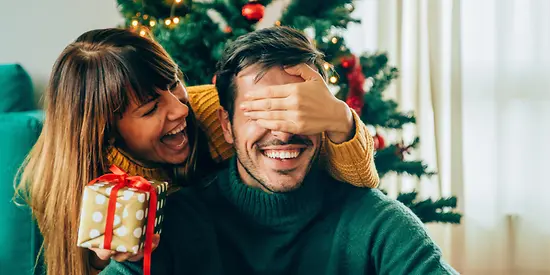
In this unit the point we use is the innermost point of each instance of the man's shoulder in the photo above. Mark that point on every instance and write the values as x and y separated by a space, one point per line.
374 207
363 197
193 199
194 192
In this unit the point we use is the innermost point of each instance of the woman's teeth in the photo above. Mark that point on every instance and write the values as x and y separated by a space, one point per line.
282 154
177 130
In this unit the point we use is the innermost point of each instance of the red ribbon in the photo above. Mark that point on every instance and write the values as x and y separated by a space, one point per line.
121 180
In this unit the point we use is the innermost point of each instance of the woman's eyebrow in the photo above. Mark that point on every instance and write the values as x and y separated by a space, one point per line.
173 85
144 104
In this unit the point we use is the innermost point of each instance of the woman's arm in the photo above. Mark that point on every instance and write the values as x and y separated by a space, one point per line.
352 161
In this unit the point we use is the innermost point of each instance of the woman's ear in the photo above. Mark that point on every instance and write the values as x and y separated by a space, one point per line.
223 117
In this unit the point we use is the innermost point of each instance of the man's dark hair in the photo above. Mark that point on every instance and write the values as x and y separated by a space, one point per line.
267 48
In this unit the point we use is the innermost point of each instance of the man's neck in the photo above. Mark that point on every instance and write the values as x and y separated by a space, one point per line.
272 209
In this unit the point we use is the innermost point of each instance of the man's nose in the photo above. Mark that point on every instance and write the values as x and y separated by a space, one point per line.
283 136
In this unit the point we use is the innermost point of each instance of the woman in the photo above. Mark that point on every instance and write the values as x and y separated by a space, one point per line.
116 98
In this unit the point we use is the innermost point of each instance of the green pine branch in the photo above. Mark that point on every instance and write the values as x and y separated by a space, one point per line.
383 112
323 15
333 51
390 159
307 9
195 52
379 111
230 12
429 211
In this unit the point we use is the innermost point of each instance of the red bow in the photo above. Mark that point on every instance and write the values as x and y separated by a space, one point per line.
121 180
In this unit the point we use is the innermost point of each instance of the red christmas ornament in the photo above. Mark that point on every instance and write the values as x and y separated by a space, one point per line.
348 61
227 29
345 64
253 11
355 103
214 80
379 142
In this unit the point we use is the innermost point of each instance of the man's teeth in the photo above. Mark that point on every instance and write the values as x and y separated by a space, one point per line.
177 130
282 154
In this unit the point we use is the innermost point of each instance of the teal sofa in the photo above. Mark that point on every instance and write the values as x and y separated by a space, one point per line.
20 126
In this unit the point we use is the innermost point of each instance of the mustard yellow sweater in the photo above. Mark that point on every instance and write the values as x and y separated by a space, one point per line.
351 161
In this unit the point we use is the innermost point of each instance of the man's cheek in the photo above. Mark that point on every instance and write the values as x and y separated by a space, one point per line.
251 132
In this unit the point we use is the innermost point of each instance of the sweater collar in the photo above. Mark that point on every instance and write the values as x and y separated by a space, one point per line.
274 209
133 167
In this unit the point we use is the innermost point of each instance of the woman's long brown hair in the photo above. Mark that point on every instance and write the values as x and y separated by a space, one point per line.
92 82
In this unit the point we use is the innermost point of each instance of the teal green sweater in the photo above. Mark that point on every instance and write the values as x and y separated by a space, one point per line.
324 227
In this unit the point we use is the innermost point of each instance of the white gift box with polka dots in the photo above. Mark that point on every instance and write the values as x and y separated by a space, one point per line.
130 220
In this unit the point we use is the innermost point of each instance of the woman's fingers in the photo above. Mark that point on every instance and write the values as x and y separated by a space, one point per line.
103 254
268 104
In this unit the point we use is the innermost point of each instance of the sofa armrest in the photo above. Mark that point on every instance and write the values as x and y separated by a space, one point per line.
19 235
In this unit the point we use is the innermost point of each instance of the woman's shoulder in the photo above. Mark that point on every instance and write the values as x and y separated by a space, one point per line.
201 92
204 102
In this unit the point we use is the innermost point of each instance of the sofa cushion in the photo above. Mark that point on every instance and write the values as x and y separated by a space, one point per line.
16 92
19 236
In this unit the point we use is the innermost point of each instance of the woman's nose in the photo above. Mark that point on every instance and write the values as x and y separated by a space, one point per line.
177 109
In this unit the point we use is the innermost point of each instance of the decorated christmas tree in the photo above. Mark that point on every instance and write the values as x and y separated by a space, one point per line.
195 34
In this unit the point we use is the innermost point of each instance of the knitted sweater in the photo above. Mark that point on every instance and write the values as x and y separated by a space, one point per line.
225 227
350 162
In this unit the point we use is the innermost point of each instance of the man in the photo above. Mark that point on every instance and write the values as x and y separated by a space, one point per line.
274 210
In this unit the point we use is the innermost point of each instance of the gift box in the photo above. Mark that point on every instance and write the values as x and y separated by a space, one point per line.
121 212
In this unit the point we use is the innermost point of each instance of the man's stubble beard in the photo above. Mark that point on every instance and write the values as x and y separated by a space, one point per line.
257 178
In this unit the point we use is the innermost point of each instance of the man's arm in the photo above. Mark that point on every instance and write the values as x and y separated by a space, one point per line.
402 244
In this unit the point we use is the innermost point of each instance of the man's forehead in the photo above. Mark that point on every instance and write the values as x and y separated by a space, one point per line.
249 77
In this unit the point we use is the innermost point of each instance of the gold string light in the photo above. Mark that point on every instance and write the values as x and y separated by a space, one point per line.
167 22
134 23
334 40
178 1
277 23
326 66
176 20
142 32
152 23
333 79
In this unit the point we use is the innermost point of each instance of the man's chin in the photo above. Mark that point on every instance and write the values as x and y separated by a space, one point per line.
281 189
283 183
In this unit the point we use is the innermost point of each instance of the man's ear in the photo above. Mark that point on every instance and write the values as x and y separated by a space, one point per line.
223 117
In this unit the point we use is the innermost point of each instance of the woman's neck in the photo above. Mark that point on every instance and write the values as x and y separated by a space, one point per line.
117 156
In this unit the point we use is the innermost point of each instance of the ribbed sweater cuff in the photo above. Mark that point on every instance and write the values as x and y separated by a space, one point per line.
342 153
